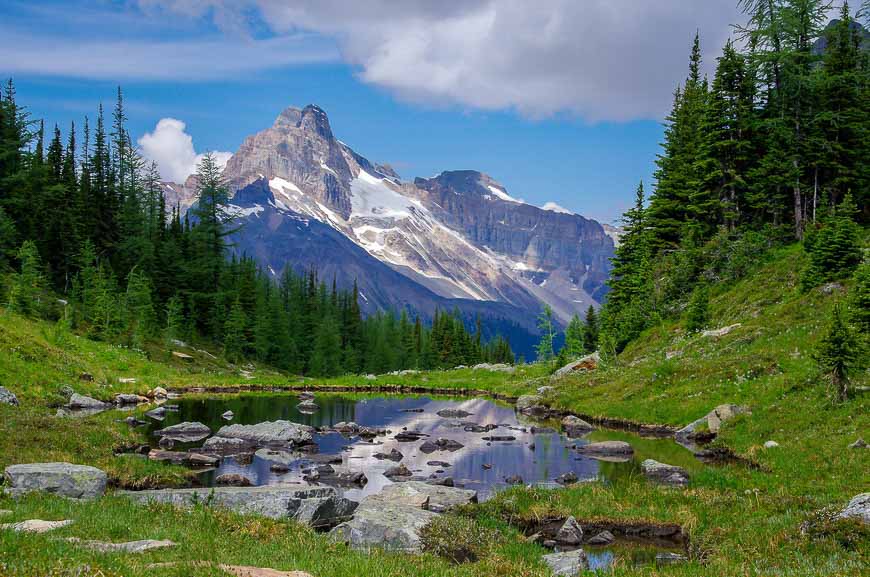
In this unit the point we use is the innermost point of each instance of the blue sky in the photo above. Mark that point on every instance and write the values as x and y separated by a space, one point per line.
556 104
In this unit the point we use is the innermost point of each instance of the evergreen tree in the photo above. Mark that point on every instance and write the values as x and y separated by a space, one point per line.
574 339
697 313
27 292
839 353
590 331
546 327
235 334
142 319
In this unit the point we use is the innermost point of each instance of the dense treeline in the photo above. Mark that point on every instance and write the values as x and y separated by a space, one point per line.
87 220
774 149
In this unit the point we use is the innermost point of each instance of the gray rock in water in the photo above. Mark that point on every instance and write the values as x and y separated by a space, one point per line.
233 480
270 432
670 558
398 471
665 474
317 506
186 432
453 413
570 533
394 455
77 401
228 416
858 508
65 479
183 458
130 399
568 478
226 446
603 538
7 397
607 448
127 547
386 525
532 406
307 406
568 563
575 426
157 414
35 526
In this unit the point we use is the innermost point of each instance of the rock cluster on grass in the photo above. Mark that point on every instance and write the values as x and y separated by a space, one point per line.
35 526
64 479
495 367
711 423
140 546
858 508
567 563
7 397
664 474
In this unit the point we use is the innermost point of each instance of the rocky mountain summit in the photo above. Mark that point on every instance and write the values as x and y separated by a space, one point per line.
456 240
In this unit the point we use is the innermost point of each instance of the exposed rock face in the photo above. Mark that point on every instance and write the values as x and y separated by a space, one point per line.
568 563
858 508
64 479
318 506
127 547
425 495
269 433
7 397
664 474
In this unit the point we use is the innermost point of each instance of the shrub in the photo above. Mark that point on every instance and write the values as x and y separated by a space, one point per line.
459 539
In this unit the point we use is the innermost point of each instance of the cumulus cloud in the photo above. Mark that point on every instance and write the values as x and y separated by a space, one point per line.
556 208
171 147
597 59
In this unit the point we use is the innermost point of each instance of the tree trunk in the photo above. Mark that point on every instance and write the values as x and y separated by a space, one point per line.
798 204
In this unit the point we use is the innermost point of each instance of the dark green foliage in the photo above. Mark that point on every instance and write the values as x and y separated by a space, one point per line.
590 331
698 311
860 300
574 342
839 352
833 247
28 291
547 327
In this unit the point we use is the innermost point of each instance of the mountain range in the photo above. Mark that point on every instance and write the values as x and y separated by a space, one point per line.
457 240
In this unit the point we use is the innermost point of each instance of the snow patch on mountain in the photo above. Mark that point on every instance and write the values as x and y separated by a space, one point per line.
502 194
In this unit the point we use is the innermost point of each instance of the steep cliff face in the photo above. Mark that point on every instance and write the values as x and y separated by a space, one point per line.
456 240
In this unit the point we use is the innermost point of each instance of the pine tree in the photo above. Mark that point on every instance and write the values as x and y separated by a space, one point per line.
326 356
139 307
27 291
175 321
546 327
574 338
833 248
235 334
590 331
697 313
838 353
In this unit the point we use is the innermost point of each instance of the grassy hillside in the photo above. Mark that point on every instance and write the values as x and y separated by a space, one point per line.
741 520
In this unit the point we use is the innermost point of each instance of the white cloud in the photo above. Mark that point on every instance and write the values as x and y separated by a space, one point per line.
597 59
172 149
556 208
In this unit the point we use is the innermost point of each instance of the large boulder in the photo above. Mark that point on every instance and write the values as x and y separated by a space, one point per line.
65 479
383 524
532 405
316 506
77 401
858 508
664 474
567 563
186 432
269 433
711 423
7 397
587 363
570 533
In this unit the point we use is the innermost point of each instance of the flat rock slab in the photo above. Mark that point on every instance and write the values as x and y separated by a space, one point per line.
607 449
587 363
568 563
36 526
382 524
127 547
243 571
269 433
424 495
316 506
183 458
664 474
186 432
65 479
